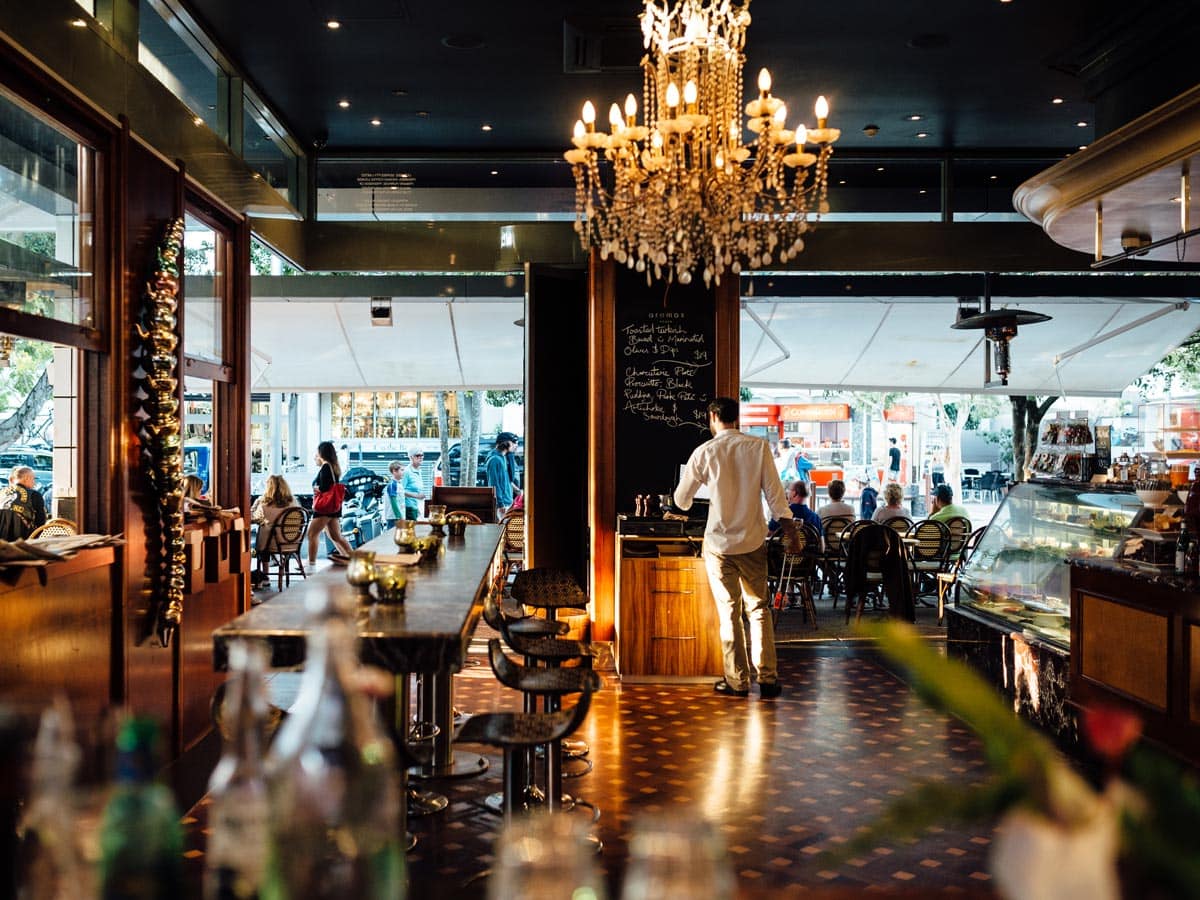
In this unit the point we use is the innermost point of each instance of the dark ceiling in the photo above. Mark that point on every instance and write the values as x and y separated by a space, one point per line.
981 73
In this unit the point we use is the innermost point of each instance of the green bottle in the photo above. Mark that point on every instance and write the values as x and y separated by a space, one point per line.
141 839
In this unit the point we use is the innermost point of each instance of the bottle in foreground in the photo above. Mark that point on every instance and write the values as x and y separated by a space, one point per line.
236 855
52 864
334 789
141 839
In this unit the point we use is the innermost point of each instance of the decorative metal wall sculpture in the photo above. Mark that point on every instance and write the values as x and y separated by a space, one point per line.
160 431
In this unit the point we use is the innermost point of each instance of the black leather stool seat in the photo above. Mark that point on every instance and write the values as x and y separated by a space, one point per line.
550 649
521 729
547 588
556 681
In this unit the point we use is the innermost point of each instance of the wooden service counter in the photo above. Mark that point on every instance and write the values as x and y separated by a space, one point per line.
1135 642
216 586
666 618
57 623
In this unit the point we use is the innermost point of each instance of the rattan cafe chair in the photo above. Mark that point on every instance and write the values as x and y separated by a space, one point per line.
55 528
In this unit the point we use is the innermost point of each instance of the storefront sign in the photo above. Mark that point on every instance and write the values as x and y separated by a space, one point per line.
900 414
758 414
815 412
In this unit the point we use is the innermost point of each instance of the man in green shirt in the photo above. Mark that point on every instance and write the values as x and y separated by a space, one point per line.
944 506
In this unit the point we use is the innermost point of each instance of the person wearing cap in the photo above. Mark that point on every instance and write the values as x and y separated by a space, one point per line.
511 457
944 506
414 485
498 476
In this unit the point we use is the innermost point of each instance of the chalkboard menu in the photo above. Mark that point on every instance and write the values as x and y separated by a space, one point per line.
665 378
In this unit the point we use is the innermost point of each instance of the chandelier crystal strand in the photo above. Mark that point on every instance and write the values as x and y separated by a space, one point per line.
682 193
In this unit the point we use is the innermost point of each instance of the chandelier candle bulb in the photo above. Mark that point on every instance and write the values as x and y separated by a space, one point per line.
685 194
821 108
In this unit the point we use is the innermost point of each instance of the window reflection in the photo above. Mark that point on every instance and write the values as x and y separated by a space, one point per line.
198 423
176 58
265 149
47 186
205 266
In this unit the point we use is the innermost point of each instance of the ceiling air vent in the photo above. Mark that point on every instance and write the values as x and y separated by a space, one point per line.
593 45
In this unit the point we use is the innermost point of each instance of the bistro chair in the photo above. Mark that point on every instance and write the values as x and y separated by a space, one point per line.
902 525
875 566
928 554
284 545
960 530
55 528
512 557
792 556
949 579
833 559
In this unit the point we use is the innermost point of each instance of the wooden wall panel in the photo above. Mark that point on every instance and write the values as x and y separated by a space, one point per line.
1126 648
151 190
205 611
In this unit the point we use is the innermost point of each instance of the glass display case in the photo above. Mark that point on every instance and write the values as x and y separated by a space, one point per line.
1019 573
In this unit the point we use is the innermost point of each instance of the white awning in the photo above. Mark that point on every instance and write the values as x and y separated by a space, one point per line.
839 343
330 344
890 344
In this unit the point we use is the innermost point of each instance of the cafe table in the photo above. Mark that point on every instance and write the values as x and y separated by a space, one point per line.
428 635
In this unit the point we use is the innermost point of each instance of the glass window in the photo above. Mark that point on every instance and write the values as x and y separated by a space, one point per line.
983 188
47 197
198 423
265 149
89 6
173 55
206 270
898 190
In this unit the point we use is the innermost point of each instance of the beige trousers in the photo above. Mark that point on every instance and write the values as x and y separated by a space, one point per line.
739 585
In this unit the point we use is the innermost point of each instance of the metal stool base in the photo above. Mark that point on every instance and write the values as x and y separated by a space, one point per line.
425 803
463 765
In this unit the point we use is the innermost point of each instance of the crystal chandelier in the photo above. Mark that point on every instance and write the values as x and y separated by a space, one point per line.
684 193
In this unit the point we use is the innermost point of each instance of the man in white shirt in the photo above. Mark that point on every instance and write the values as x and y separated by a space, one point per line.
738 470
836 505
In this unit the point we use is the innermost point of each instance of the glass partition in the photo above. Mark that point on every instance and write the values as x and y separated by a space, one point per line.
266 150
175 56
47 197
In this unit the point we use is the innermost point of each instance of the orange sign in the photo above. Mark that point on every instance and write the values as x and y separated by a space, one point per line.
815 412
900 414
758 413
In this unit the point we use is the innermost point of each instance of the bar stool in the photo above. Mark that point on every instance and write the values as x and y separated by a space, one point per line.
553 589
516 732
550 684
551 652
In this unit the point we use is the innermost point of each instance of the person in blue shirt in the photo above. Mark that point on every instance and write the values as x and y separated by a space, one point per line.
414 485
797 496
499 476
803 465
393 495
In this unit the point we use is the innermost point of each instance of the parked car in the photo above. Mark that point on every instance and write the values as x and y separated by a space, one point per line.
41 461
448 474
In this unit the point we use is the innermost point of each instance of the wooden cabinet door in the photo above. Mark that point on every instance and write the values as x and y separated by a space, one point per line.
673 620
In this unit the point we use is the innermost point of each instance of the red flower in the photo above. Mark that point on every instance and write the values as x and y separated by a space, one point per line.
1110 730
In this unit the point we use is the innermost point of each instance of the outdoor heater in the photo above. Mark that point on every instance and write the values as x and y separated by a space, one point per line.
1000 327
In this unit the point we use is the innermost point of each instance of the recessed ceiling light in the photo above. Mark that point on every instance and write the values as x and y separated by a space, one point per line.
879 169
197 121
78 23
1083 146
921 191
344 104
922 134
843 181
393 187
463 42
1057 100
915 117
376 122
399 92
1081 123
993 177
422 114
494 172
1175 200
333 24
485 127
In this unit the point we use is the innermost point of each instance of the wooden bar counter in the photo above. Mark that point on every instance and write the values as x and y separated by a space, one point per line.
1135 642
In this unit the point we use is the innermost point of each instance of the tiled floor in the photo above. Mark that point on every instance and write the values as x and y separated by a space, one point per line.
785 780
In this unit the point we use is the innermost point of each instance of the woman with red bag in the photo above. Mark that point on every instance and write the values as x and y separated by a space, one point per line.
328 493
